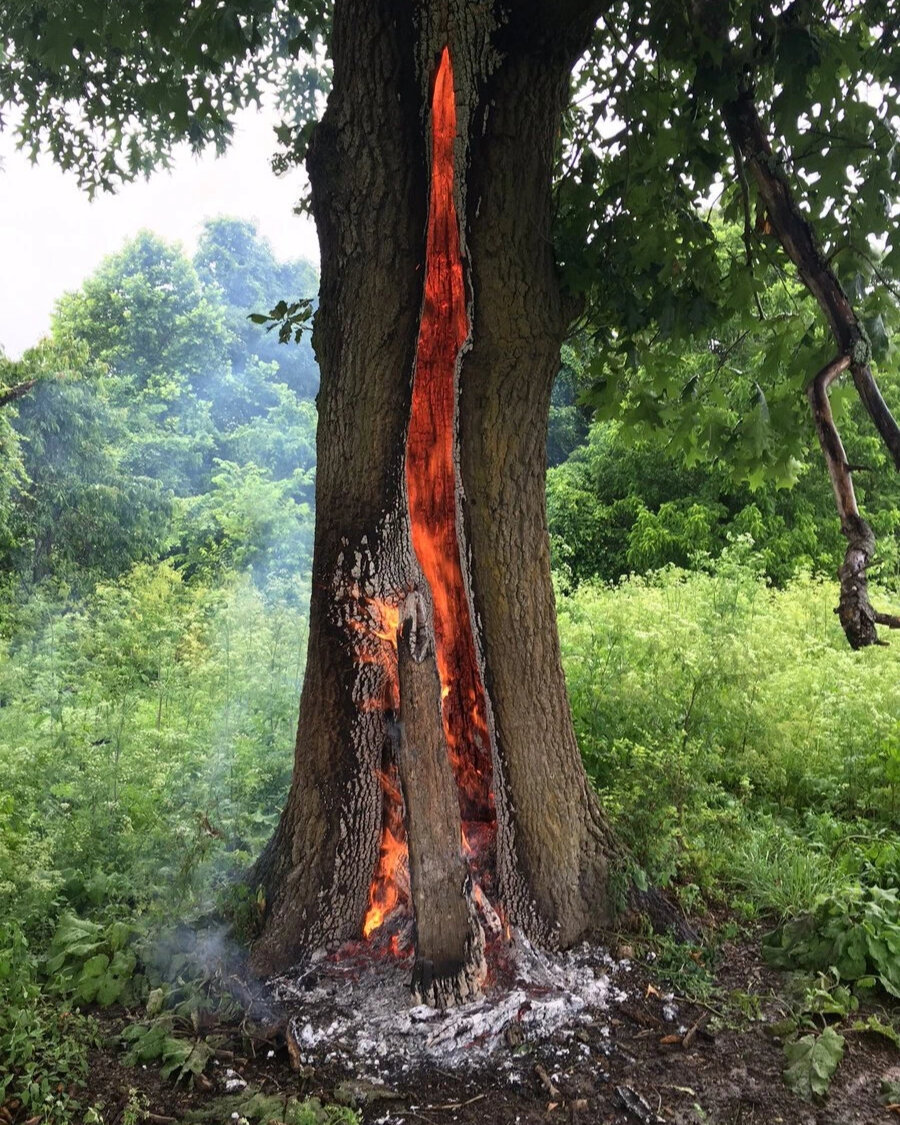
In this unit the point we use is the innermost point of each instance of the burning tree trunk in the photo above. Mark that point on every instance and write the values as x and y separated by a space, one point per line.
438 339
449 941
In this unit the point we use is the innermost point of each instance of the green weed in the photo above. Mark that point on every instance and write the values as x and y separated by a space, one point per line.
44 1044
857 935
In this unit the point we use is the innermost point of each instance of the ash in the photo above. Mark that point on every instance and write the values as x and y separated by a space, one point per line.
354 1007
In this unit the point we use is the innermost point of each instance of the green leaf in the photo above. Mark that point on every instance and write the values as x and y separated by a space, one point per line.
812 1061
92 975
875 1026
889 1093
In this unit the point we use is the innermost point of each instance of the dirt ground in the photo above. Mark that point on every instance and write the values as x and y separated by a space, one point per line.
633 1066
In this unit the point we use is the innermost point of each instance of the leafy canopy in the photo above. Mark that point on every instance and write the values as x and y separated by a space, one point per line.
108 88
650 183
661 233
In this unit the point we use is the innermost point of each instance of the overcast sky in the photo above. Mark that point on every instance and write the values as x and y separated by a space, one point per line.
52 238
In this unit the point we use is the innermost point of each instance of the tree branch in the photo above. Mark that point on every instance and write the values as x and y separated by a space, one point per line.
799 242
830 439
18 390
856 614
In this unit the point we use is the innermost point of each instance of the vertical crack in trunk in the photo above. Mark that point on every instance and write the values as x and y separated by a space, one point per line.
439 747
483 711
431 478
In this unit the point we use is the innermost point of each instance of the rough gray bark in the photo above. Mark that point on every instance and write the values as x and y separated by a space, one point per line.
368 178
369 175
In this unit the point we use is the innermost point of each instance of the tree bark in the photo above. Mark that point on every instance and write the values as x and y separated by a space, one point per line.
368 177
369 171
449 942
554 846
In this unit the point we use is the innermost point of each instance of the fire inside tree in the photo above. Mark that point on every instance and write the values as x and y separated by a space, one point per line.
431 481
434 732
438 336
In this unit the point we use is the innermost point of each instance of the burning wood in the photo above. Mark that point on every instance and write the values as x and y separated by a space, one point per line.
437 784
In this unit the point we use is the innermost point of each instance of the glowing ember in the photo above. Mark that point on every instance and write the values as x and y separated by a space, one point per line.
432 486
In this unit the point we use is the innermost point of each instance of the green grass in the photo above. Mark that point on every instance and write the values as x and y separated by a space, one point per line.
738 743
745 754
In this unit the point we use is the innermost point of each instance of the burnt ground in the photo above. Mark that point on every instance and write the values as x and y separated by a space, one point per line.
716 1061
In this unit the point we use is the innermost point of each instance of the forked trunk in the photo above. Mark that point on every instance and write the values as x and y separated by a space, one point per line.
434 723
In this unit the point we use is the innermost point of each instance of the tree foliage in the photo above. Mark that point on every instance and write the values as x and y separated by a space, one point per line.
108 89
153 429
648 167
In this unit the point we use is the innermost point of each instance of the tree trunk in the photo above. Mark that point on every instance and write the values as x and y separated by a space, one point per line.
554 845
438 339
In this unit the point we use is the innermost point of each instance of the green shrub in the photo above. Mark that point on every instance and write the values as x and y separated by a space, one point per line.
735 739
856 934
43 1044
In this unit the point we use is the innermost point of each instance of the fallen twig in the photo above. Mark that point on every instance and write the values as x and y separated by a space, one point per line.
691 1033
458 1105
546 1081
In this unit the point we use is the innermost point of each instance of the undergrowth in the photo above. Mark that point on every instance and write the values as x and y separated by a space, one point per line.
748 758
743 751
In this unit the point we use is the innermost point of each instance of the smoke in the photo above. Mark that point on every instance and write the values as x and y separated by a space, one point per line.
206 968
159 567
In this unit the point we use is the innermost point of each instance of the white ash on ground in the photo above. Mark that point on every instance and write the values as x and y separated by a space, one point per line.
354 1006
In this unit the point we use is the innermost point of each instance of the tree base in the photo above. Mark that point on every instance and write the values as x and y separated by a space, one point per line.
452 984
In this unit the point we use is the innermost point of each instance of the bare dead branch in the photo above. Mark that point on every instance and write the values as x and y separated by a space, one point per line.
799 243
798 239
856 614
830 439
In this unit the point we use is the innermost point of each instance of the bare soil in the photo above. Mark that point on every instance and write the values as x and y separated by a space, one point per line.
634 1065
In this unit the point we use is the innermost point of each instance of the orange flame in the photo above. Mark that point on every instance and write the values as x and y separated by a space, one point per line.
375 624
431 480
387 891
431 476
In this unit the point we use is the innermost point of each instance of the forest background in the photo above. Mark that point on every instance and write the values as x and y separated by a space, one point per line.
156 516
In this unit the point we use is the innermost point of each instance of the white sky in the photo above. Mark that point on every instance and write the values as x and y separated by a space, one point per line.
52 238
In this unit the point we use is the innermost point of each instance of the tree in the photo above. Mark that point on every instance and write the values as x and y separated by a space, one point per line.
78 511
790 116
432 633
159 340
232 256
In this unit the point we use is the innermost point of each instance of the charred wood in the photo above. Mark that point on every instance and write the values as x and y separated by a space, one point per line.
449 964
